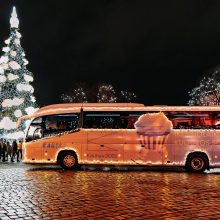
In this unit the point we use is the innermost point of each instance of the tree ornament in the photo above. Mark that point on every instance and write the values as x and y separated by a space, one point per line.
13 53
4 59
4 66
1 70
28 78
12 76
18 113
18 35
17 41
25 61
2 79
25 87
14 65
7 123
5 49
7 41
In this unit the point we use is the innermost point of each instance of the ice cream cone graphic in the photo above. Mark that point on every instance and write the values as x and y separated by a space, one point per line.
153 129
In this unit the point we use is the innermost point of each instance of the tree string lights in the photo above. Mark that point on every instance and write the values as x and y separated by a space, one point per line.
16 97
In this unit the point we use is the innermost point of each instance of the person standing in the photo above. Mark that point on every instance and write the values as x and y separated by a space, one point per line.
1 149
4 150
19 153
14 149
9 151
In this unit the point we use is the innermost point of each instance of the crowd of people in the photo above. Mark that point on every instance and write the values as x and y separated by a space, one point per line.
10 150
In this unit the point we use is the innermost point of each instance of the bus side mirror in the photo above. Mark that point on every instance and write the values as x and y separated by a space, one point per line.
38 134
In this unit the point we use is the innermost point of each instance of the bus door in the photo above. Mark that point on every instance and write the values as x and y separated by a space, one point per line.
105 137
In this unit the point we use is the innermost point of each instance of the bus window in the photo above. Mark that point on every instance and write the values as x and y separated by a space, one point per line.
101 120
129 119
193 120
115 120
60 123
35 130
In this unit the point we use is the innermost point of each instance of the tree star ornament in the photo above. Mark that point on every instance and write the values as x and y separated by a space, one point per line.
14 20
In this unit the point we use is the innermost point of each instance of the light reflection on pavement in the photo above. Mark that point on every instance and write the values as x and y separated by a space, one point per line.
39 192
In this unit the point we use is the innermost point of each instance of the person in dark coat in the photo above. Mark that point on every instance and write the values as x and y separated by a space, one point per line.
14 149
19 150
4 150
9 151
1 148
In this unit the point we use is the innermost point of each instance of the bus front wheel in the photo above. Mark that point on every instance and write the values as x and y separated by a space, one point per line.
197 162
68 160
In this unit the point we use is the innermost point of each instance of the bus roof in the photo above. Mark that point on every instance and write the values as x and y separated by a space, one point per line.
76 107
54 106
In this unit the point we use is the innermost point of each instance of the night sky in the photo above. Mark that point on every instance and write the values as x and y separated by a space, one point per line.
158 49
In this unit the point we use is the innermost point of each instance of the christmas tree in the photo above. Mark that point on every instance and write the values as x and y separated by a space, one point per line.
207 93
16 93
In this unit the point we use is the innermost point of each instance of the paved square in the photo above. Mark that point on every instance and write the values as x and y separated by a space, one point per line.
29 192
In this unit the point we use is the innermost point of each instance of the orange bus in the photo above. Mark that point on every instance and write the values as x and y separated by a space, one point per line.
124 134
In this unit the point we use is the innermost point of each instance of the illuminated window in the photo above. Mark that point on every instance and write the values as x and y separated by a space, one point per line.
101 120
60 123
194 120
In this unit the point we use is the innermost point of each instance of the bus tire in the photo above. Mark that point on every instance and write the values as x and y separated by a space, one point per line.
197 162
68 160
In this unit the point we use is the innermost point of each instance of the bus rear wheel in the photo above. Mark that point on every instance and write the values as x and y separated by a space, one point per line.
68 160
197 163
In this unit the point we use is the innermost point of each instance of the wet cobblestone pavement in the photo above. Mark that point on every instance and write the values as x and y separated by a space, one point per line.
30 192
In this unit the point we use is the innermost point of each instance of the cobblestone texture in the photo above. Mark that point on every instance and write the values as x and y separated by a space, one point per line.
51 193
